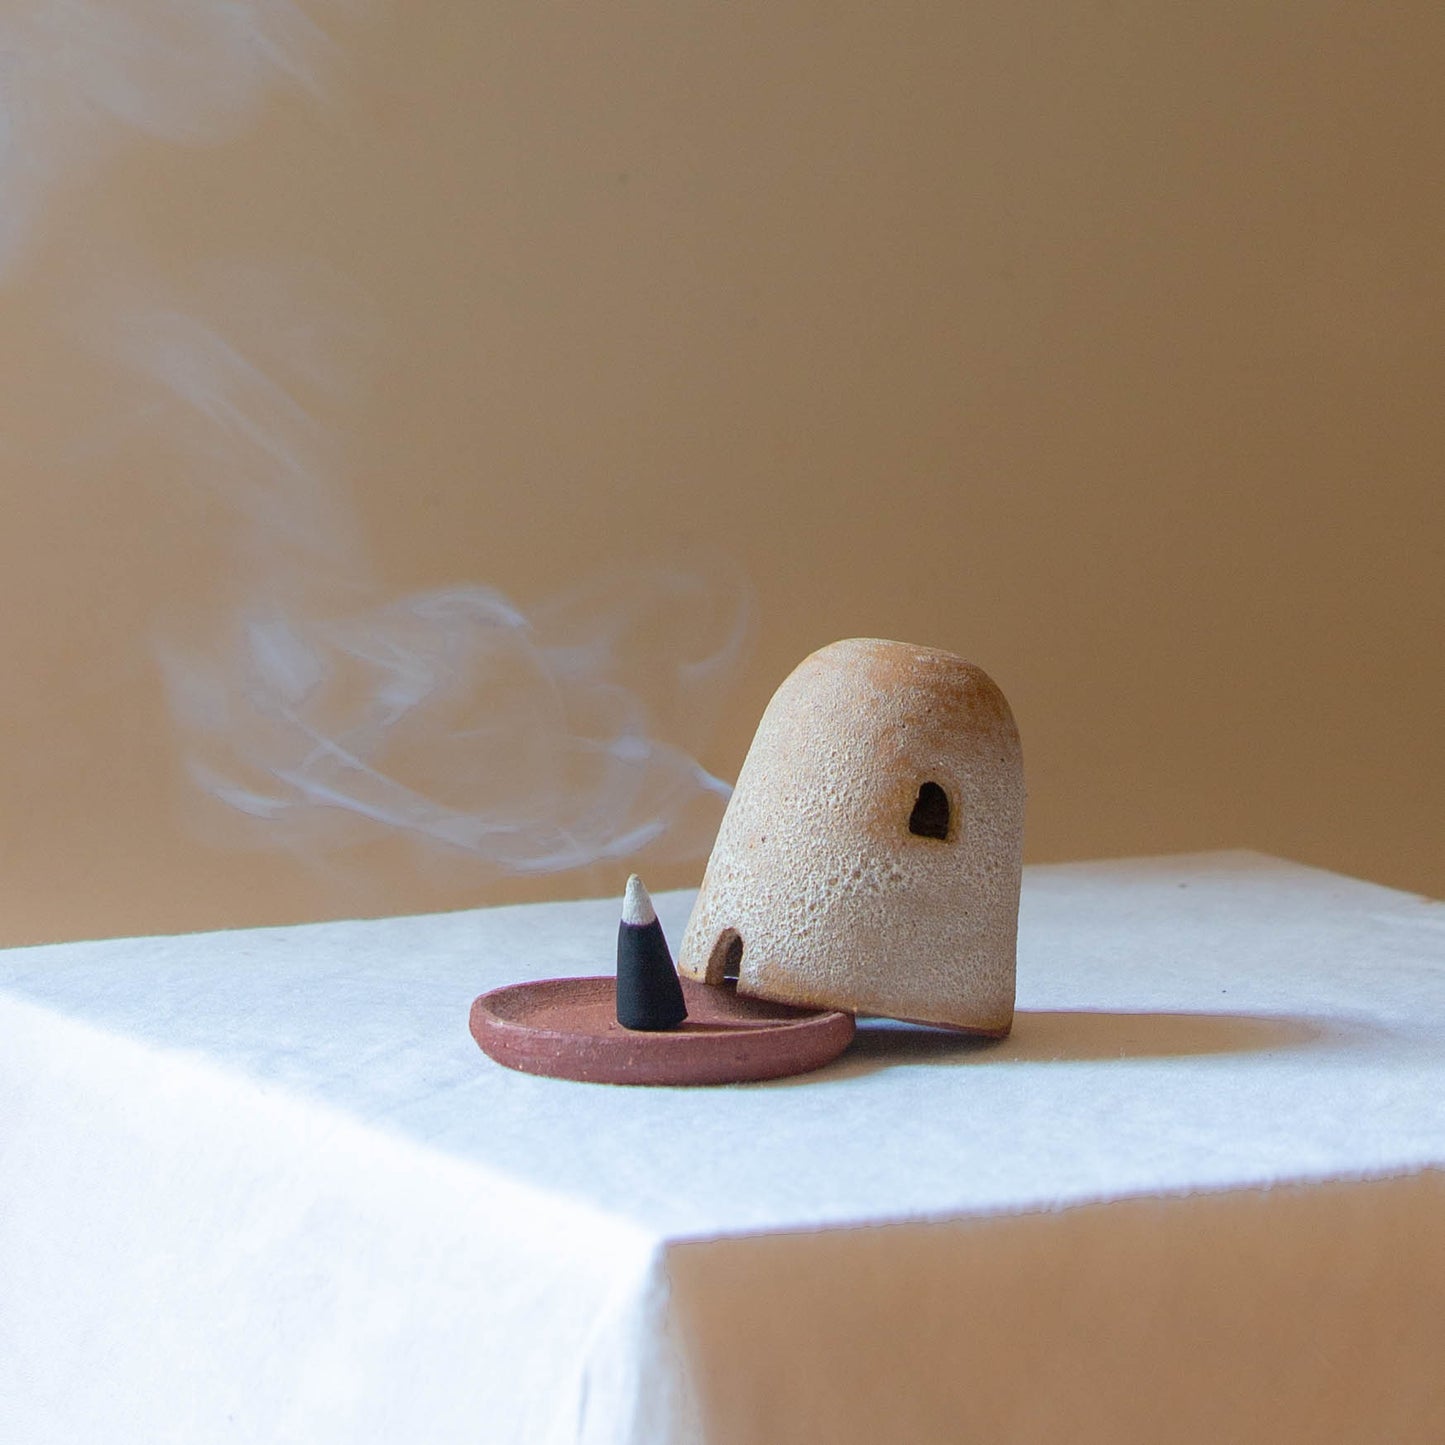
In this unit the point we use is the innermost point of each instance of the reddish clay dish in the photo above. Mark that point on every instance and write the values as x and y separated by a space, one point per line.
567 1028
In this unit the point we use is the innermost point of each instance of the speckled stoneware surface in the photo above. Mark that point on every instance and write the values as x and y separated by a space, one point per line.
870 857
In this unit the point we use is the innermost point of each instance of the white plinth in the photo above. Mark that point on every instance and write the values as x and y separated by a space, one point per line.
261 1186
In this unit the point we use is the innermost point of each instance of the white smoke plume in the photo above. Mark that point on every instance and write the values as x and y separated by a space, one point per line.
451 717
314 710
323 714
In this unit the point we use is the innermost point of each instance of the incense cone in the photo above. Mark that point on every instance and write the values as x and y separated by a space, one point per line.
649 995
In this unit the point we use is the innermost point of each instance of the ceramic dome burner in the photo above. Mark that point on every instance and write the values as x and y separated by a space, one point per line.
869 862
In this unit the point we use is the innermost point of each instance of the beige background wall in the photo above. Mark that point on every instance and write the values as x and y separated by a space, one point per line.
1101 343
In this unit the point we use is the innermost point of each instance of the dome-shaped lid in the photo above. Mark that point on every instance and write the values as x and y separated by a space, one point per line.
870 856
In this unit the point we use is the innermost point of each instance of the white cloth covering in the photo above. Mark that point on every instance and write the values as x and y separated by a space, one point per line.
261 1186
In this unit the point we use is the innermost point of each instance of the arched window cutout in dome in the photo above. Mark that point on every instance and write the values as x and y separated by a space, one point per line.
931 814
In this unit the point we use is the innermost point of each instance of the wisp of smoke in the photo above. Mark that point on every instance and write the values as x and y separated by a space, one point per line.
451 718
323 716
318 713
80 77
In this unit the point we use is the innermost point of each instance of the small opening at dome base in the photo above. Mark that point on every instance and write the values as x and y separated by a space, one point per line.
726 959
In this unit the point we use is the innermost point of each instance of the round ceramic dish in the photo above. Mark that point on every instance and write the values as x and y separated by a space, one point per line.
567 1028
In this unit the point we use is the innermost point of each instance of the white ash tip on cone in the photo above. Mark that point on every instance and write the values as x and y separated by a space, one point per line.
637 908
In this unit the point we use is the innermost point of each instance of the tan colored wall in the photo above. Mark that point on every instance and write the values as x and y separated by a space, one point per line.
1100 343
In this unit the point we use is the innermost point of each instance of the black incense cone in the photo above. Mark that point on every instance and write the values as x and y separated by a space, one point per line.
649 995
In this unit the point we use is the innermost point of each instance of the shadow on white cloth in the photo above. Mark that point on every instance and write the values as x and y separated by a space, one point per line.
1088 1035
